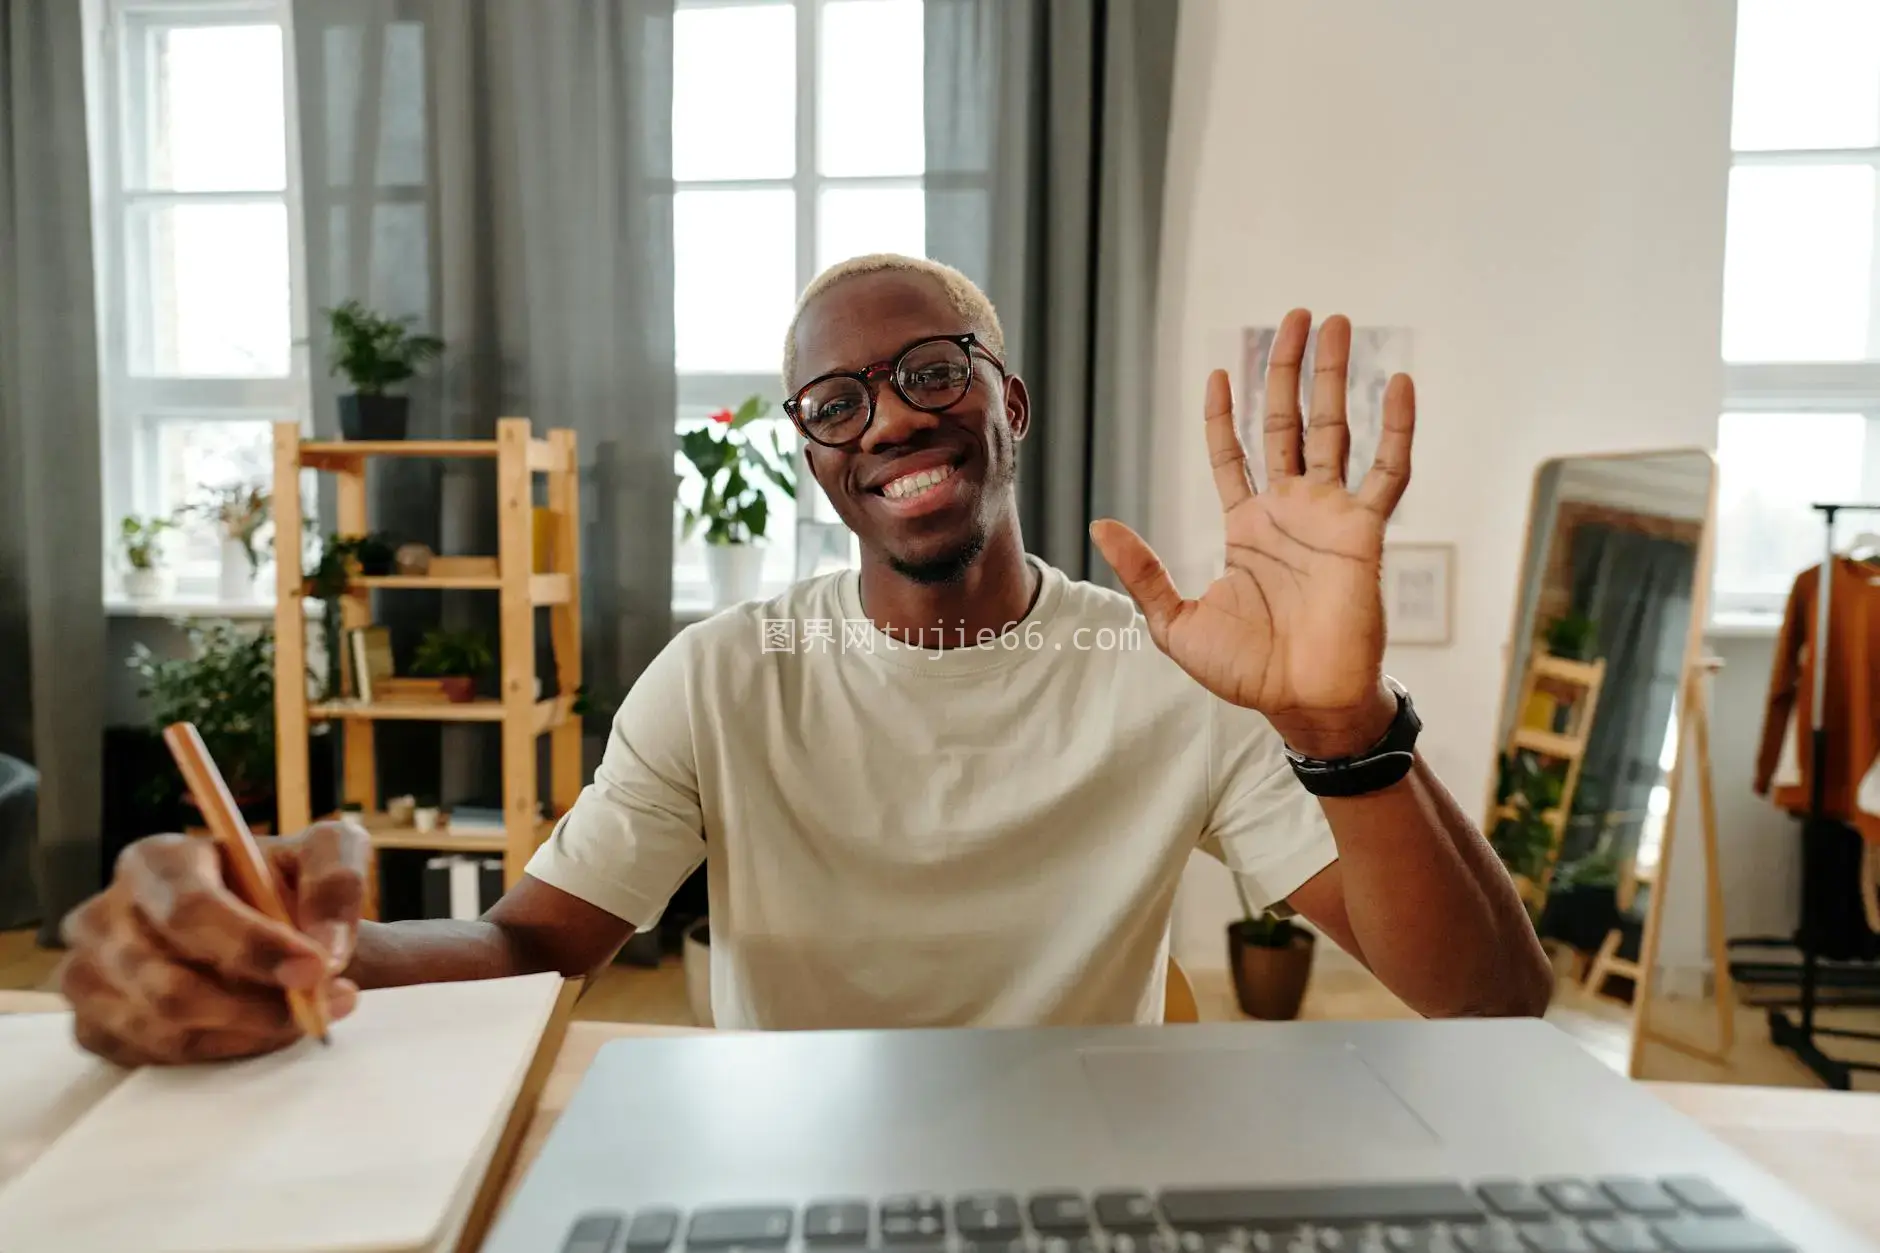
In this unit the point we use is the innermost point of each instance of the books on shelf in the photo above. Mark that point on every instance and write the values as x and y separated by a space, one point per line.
466 819
461 887
371 655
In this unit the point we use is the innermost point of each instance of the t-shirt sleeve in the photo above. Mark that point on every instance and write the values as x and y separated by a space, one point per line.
636 832
1261 823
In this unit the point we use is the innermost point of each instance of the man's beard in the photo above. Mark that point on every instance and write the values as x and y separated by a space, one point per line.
946 568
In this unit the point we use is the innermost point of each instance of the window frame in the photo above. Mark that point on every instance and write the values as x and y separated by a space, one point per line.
134 407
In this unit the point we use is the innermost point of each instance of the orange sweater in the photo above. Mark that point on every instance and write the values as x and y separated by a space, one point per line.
1852 714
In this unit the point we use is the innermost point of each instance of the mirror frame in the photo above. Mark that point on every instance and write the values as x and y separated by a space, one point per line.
1691 699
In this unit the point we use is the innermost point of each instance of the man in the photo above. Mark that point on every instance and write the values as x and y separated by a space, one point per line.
964 797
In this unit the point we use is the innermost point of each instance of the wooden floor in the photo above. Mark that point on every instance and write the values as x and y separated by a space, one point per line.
1340 989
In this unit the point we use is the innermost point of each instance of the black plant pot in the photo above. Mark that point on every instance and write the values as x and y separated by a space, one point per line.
373 417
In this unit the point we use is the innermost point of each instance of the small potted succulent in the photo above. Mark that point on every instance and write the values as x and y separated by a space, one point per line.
376 354
456 659
729 470
1271 960
1573 636
141 540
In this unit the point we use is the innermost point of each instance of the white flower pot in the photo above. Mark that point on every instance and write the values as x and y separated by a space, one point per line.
737 572
143 584
237 582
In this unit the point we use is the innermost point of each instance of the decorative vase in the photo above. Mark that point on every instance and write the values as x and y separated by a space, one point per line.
143 584
373 417
736 572
236 584
698 971
1269 980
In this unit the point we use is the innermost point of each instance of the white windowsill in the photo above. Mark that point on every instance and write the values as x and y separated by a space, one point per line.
173 607
1743 626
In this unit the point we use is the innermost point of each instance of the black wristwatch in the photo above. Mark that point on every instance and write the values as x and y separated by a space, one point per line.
1383 764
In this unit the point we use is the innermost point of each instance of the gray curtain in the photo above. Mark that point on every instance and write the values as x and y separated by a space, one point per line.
1637 589
52 647
501 170
1047 138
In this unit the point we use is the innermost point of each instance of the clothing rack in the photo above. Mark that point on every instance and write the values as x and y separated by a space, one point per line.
1798 1035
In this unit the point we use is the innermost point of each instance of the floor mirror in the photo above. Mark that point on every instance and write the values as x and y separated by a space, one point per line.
1601 747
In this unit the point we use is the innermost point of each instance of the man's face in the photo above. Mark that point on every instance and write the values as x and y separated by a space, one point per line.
934 533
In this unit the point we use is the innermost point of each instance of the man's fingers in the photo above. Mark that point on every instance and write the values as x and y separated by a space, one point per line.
330 887
1328 436
177 885
1225 453
1389 474
1143 576
1280 425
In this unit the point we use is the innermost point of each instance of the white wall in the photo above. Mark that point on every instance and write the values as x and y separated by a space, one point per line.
1536 190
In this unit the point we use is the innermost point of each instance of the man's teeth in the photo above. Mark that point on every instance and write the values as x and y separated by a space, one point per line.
908 484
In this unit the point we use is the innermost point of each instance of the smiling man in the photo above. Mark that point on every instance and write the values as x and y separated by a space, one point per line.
954 786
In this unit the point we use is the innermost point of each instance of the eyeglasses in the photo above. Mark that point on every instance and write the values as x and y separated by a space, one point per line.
930 375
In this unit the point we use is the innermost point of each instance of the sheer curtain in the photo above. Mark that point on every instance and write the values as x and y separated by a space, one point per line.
52 637
1047 138
501 170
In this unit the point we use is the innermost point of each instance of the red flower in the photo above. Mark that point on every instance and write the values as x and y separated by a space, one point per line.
724 415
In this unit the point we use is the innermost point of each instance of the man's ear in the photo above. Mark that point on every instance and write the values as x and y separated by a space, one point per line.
1017 406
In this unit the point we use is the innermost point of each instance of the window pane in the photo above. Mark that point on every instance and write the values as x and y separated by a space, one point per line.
1807 74
1796 266
1770 468
734 278
197 455
734 92
869 89
218 119
856 220
210 290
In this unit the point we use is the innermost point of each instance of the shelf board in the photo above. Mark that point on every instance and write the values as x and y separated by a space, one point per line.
1548 744
549 713
544 589
385 835
347 454
1551 817
1578 673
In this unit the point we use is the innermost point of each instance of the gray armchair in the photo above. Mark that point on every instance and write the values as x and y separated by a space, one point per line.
19 828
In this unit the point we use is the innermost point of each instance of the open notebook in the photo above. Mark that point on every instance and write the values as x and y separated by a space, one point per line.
378 1142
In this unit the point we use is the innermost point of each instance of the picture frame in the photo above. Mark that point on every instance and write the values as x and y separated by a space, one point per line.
1419 594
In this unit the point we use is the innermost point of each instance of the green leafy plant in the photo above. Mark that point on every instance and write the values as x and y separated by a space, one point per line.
225 686
1262 928
328 577
452 654
140 539
731 470
239 511
1573 636
1598 869
1527 790
374 352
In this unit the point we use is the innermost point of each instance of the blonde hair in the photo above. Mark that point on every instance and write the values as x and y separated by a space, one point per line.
962 294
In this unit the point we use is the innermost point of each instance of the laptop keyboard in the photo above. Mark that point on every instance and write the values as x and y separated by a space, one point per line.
1672 1215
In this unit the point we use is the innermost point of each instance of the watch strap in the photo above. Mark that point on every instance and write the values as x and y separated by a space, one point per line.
1382 765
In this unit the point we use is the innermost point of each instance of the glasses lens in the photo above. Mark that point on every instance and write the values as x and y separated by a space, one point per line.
935 374
834 411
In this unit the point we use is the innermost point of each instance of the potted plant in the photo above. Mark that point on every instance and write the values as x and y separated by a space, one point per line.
239 512
225 686
1270 958
376 554
1573 636
730 471
455 658
424 813
1527 791
375 353
141 539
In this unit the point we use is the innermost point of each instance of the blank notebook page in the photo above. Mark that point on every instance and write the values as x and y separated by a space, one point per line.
368 1143
46 1084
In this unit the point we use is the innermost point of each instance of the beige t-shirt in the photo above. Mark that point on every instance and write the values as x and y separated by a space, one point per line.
986 835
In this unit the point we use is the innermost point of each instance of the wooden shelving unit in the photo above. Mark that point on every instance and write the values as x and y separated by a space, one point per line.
519 457
1573 686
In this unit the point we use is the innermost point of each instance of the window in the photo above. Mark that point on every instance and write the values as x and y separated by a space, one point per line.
790 150
197 257
1801 339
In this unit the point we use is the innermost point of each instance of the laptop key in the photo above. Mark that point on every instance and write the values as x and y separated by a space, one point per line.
593 1233
1719 1235
987 1215
1058 1211
741 1226
1621 1235
1555 1237
1702 1196
1413 1238
652 1230
992 1246
1386 1203
1641 1197
836 1222
1515 1200
1576 1197
1126 1211
1488 1238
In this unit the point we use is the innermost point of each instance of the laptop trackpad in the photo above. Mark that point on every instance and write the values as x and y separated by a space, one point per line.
1263 1111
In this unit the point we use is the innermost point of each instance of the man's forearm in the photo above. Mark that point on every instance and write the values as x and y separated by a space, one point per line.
392 954
1436 915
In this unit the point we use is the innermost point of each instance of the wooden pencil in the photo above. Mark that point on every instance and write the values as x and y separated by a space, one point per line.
254 881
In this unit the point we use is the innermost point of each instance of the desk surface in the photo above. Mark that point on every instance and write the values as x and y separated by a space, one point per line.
1825 1145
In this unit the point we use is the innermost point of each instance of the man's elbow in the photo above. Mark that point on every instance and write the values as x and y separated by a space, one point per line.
1525 991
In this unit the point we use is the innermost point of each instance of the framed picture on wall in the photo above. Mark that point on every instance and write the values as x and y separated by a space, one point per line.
1419 592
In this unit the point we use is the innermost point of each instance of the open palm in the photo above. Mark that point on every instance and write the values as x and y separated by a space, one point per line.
1295 624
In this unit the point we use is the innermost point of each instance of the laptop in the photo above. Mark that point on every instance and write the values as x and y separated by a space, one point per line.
1341 1137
